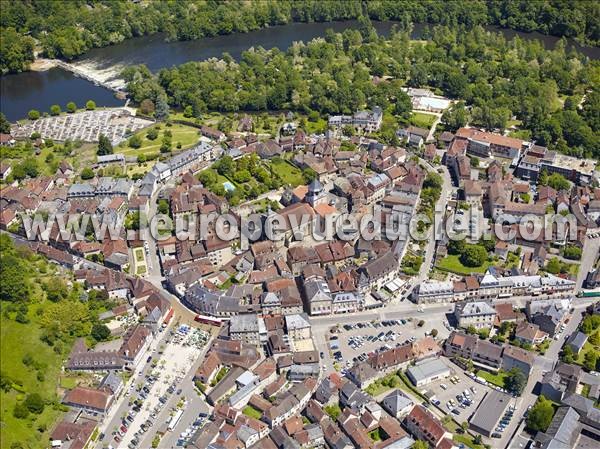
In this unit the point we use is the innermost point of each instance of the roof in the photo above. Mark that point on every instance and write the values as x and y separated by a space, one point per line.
491 138
427 369
88 398
427 423
396 401
490 410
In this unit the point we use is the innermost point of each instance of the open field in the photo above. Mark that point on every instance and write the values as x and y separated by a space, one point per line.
422 120
453 264
19 340
288 173
187 136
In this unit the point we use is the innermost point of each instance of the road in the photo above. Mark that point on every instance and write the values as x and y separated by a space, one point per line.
541 365
591 249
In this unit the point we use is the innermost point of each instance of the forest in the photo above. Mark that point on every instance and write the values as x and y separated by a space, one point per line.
67 29
498 82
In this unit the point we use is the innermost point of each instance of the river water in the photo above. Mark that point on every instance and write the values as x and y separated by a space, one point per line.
22 92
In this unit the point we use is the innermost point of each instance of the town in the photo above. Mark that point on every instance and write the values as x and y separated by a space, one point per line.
247 341
488 341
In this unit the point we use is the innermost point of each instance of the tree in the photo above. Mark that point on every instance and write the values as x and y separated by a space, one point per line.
434 333
147 106
13 281
567 355
87 173
4 124
100 332
34 114
420 444
474 256
162 108
540 415
516 381
595 338
163 207
90 105
558 182
71 107
34 403
152 133
590 359
56 290
20 411
474 161
55 109
135 141
104 145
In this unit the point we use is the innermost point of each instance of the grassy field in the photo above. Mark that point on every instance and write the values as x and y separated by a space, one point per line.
252 412
453 264
287 172
496 379
422 120
186 135
17 341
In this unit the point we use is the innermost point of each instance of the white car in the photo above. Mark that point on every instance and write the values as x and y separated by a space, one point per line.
443 386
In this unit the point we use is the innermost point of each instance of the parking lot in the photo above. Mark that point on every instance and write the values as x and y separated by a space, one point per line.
460 395
150 398
355 341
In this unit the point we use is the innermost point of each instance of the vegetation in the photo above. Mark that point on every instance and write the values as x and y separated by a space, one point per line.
333 410
66 30
453 264
333 75
515 381
41 317
252 412
392 380
540 415
496 379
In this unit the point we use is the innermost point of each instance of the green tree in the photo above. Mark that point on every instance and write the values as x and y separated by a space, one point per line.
87 173
147 106
90 105
540 415
33 114
104 145
135 141
20 411
420 444
34 403
515 381
100 332
152 133
474 256
567 355
163 207
13 279
558 182
4 124
71 107
55 109
590 359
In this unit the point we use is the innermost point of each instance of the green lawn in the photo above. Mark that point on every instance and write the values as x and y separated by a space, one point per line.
289 173
252 412
496 379
186 135
453 264
586 348
422 120
17 341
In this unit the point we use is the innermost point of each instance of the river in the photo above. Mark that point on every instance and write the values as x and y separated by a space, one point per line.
22 92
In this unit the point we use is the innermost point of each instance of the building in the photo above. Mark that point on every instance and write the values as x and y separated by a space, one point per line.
478 314
514 357
245 328
485 144
427 372
489 413
563 432
397 404
89 399
365 121
424 426
529 333
576 341
298 326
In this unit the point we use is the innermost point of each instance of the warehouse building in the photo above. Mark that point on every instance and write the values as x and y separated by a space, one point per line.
490 411
427 372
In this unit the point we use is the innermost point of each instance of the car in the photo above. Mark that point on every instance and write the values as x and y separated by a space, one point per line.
123 429
496 435
456 411
129 418
443 386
